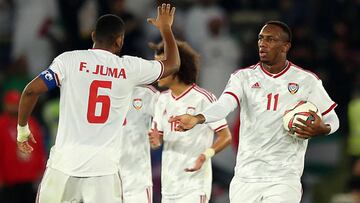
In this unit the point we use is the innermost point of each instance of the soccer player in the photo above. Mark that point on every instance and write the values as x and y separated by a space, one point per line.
186 175
269 161
95 92
135 161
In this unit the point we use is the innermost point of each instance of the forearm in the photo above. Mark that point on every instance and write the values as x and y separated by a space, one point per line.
27 103
171 52
332 120
223 140
219 109
29 99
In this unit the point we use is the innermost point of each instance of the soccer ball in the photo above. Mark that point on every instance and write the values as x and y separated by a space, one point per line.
300 110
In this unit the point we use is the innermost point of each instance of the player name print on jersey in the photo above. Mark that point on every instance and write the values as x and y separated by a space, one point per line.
103 70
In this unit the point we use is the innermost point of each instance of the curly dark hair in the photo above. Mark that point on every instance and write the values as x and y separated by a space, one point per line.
190 61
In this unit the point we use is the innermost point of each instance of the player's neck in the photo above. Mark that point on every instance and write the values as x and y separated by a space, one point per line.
102 47
276 68
179 88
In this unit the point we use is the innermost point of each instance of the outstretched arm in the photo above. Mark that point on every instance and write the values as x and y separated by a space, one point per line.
164 22
222 141
216 111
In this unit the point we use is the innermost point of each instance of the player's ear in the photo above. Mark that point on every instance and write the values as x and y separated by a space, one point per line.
119 41
286 47
93 36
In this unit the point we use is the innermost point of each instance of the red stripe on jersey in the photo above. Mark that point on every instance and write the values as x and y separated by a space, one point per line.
57 80
220 128
283 71
329 109
234 95
205 93
161 72
248 67
298 67
184 93
152 88
211 95
277 74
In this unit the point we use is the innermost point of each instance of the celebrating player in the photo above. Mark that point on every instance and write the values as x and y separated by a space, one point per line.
95 92
269 161
186 175
135 161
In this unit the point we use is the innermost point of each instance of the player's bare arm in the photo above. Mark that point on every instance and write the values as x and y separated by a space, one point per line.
163 22
28 101
312 129
223 140
155 137
187 122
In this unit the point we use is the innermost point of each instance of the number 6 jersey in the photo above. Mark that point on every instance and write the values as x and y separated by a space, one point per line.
95 92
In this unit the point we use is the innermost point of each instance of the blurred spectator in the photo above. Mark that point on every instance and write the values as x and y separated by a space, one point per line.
354 121
198 16
19 172
32 22
134 34
220 54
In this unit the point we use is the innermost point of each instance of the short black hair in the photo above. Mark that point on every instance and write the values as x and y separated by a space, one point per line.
189 60
108 28
283 26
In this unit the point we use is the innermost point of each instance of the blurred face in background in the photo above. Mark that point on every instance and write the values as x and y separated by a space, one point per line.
11 102
272 45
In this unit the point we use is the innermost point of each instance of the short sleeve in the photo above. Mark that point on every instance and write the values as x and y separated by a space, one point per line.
148 71
234 88
58 67
321 99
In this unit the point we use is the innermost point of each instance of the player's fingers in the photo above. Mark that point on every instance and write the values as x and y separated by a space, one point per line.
167 8
32 138
172 12
301 121
163 8
151 21
159 10
190 170
173 119
302 132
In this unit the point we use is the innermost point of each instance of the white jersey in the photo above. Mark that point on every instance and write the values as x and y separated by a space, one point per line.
95 92
181 149
135 162
266 152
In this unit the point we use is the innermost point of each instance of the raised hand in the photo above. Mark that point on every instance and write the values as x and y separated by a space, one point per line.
198 164
155 137
165 17
311 129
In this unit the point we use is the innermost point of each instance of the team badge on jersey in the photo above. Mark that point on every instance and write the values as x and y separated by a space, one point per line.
137 103
190 110
293 87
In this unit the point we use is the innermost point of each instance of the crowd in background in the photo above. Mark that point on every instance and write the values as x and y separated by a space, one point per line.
224 32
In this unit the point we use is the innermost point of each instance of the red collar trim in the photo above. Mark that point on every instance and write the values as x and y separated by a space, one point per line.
278 74
184 93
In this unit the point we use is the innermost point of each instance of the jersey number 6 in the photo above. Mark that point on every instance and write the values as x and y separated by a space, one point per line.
94 98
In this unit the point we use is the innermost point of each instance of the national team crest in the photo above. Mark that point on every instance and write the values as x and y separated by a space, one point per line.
137 103
190 110
293 87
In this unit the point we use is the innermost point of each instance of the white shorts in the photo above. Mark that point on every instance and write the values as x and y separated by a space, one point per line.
57 187
144 196
288 191
193 197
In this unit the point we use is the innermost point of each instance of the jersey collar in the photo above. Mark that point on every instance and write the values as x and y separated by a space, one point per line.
286 68
184 93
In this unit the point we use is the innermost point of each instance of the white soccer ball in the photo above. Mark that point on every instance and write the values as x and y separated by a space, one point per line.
300 110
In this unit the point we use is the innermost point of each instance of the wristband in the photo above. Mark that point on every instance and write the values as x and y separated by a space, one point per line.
23 133
209 152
